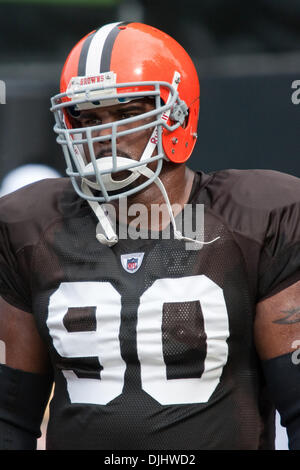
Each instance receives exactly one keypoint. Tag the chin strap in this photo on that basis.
(109, 237)
(177, 234)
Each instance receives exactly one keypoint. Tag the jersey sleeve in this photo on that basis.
(261, 208)
(24, 217)
(14, 286)
(280, 257)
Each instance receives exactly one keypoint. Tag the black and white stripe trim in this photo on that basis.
(95, 56)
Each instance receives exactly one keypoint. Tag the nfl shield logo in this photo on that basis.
(132, 264)
(132, 261)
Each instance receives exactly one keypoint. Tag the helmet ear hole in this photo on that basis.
(186, 120)
(179, 144)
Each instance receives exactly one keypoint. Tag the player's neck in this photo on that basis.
(178, 181)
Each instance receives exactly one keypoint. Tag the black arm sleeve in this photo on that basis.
(23, 399)
(282, 374)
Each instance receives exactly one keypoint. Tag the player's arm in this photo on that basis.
(25, 379)
(277, 336)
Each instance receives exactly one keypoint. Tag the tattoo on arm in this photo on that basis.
(290, 317)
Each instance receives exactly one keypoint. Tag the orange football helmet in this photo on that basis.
(114, 64)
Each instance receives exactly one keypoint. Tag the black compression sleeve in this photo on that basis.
(282, 374)
(23, 399)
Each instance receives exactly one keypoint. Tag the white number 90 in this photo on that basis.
(104, 341)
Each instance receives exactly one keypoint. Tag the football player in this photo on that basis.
(171, 339)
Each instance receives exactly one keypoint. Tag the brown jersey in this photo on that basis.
(152, 344)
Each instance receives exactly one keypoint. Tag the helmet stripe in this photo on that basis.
(83, 55)
(96, 51)
(108, 47)
(90, 56)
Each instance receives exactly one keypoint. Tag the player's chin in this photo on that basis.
(122, 175)
(140, 180)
